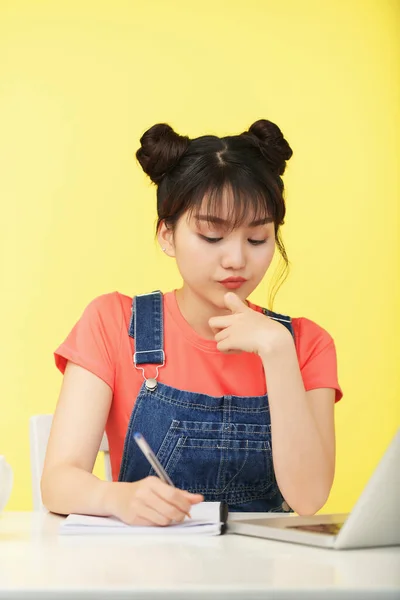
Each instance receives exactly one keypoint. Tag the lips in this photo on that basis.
(233, 283)
(233, 280)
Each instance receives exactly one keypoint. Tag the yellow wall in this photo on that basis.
(80, 82)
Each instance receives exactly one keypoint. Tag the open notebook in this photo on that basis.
(207, 518)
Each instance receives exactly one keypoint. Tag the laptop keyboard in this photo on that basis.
(327, 528)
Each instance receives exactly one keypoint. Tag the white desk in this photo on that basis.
(37, 563)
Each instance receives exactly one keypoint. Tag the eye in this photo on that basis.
(210, 240)
(257, 242)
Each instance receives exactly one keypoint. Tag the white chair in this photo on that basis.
(39, 431)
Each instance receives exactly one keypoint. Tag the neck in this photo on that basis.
(197, 311)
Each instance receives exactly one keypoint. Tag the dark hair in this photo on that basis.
(190, 172)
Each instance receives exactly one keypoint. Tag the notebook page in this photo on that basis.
(205, 519)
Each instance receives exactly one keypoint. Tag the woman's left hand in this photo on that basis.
(247, 330)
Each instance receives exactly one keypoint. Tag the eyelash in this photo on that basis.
(215, 240)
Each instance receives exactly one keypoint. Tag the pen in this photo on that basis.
(152, 458)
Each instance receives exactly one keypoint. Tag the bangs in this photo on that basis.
(234, 202)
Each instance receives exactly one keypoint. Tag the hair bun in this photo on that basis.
(273, 145)
(161, 149)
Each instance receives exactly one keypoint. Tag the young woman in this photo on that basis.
(191, 369)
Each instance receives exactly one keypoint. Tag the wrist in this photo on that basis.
(112, 495)
(107, 497)
(281, 344)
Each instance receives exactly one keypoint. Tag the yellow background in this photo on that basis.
(81, 81)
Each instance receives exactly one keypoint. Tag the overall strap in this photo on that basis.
(147, 327)
(285, 320)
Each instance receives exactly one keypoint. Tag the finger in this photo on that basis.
(221, 335)
(172, 495)
(166, 509)
(156, 484)
(215, 331)
(150, 514)
(234, 303)
(226, 346)
(140, 521)
(194, 498)
(220, 322)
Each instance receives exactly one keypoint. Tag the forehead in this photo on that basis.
(230, 210)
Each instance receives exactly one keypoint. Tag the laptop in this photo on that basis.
(374, 520)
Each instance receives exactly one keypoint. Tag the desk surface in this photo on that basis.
(35, 562)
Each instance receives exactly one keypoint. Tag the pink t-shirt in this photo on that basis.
(99, 342)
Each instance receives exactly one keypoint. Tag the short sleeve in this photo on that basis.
(317, 356)
(93, 342)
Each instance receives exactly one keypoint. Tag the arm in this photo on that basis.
(303, 435)
(68, 485)
(302, 423)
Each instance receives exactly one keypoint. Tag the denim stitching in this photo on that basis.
(206, 408)
(128, 438)
(153, 337)
(131, 328)
(244, 496)
(217, 429)
(218, 446)
(225, 428)
(175, 456)
(168, 439)
(240, 470)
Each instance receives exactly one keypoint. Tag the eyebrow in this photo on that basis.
(219, 221)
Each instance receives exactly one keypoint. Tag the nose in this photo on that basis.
(234, 256)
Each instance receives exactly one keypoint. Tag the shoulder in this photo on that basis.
(108, 308)
(94, 340)
(316, 354)
(310, 338)
(106, 302)
(310, 330)
(105, 316)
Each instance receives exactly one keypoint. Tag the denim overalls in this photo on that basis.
(216, 446)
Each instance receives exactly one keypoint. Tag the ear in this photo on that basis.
(165, 237)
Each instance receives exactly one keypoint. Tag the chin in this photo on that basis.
(217, 299)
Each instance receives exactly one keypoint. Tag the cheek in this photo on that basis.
(271, 251)
(191, 257)
(193, 250)
(265, 258)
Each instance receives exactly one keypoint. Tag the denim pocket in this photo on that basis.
(230, 462)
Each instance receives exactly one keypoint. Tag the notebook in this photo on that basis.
(207, 518)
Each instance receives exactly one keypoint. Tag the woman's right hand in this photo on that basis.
(150, 501)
